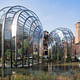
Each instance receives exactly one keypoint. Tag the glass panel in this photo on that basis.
(36, 44)
(26, 46)
(19, 45)
(7, 44)
(41, 46)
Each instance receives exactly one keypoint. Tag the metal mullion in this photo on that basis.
(29, 26)
(22, 15)
(25, 26)
(31, 12)
(5, 8)
(22, 18)
(21, 21)
(12, 12)
(29, 22)
(31, 18)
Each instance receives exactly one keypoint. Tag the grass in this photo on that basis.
(40, 76)
(44, 76)
(24, 74)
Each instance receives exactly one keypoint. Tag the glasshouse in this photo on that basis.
(24, 43)
(60, 44)
(20, 44)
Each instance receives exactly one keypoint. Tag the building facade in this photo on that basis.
(77, 37)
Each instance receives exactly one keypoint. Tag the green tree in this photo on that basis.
(69, 54)
(7, 53)
(20, 51)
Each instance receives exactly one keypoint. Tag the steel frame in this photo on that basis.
(26, 20)
(55, 37)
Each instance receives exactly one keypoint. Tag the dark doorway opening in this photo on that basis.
(46, 52)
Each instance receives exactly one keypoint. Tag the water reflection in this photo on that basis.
(56, 70)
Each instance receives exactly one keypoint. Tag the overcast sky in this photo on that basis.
(52, 13)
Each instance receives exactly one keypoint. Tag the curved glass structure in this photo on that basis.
(22, 35)
(60, 43)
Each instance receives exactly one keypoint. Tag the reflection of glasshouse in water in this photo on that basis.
(60, 43)
(20, 44)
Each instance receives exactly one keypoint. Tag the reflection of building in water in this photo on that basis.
(50, 65)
